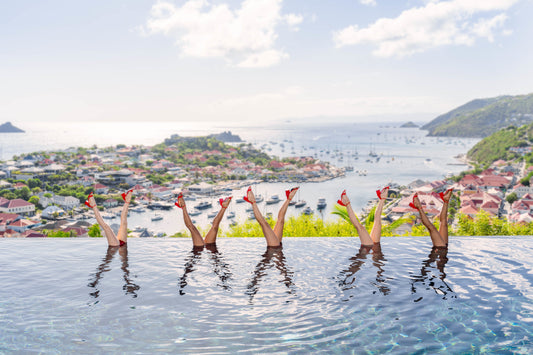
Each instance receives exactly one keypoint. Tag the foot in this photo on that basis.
(250, 198)
(224, 203)
(126, 196)
(416, 203)
(291, 193)
(180, 202)
(383, 193)
(344, 200)
(91, 202)
(445, 196)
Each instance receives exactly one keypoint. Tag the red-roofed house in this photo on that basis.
(101, 189)
(18, 206)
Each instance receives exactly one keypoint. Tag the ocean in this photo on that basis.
(379, 152)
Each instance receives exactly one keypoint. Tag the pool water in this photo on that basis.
(314, 295)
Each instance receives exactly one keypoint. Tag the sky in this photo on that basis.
(258, 60)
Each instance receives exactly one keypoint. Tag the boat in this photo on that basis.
(307, 211)
(204, 205)
(292, 203)
(300, 203)
(212, 214)
(348, 168)
(259, 198)
(195, 212)
(272, 200)
(157, 217)
(230, 215)
(160, 205)
(321, 203)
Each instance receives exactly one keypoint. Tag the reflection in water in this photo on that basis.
(129, 287)
(347, 276)
(273, 257)
(427, 278)
(220, 267)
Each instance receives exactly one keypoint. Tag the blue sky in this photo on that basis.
(258, 60)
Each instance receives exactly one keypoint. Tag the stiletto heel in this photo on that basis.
(245, 198)
(412, 204)
(379, 192)
(87, 201)
(124, 194)
(180, 195)
(288, 192)
(340, 200)
(224, 199)
(441, 194)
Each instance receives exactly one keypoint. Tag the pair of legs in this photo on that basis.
(211, 236)
(367, 240)
(273, 236)
(438, 237)
(122, 236)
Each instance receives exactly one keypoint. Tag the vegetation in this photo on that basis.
(497, 145)
(482, 117)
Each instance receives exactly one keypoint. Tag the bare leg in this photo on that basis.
(443, 217)
(112, 240)
(375, 234)
(197, 239)
(363, 233)
(122, 234)
(436, 238)
(211, 236)
(280, 223)
(270, 236)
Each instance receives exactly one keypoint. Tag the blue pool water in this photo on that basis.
(315, 295)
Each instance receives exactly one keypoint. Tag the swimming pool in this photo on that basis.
(317, 294)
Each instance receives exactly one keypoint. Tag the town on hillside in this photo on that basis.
(43, 194)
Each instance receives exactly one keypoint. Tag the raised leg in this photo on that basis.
(112, 240)
(211, 236)
(280, 223)
(443, 217)
(436, 238)
(123, 230)
(271, 237)
(197, 239)
(375, 234)
(366, 240)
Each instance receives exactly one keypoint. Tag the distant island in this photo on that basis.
(227, 137)
(481, 117)
(9, 128)
(409, 124)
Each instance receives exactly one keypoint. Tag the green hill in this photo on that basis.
(496, 146)
(482, 117)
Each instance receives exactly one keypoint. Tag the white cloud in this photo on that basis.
(368, 2)
(245, 36)
(438, 23)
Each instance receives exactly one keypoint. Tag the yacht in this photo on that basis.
(259, 198)
(272, 200)
(195, 212)
(157, 217)
(212, 214)
(203, 205)
(300, 203)
(230, 215)
(321, 203)
(308, 211)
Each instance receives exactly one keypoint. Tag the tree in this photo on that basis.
(512, 197)
(94, 231)
(34, 200)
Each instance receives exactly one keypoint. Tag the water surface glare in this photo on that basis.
(314, 295)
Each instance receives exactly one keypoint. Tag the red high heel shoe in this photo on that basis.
(221, 200)
(412, 204)
(87, 202)
(180, 195)
(124, 194)
(379, 192)
(441, 194)
(288, 192)
(340, 200)
(245, 198)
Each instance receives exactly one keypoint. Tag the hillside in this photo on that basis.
(9, 128)
(496, 146)
(482, 117)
